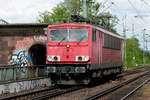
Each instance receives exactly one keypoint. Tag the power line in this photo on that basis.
(145, 3)
(103, 4)
(117, 7)
(123, 13)
(136, 11)
(107, 7)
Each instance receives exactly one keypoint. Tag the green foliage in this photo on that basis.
(72, 6)
(44, 17)
(64, 10)
(59, 14)
(108, 21)
(134, 55)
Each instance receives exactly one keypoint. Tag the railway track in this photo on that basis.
(82, 94)
(136, 89)
(118, 86)
(136, 70)
(41, 94)
(26, 95)
(55, 91)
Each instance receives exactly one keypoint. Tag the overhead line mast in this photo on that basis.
(85, 8)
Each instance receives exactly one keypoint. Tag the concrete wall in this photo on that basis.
(25, 85)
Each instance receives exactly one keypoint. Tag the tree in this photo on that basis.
(73, 6)
(44, 17)
(64, 10)
(134, 53)
(58, 15)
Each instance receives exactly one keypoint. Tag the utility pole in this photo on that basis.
(124, 35)
(133, 44)
(85, 8)
(144, 46)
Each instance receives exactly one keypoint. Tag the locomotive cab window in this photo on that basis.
(68, 35)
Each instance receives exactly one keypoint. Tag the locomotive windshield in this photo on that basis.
(68, 35)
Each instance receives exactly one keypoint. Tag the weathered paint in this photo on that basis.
(25, 85)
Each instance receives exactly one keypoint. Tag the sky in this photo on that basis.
(24, 11)
(130, 12)
(135, 14)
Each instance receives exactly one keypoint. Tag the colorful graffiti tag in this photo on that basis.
(23, 85)
(20, 58)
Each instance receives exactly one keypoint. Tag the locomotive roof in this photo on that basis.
(87, 25)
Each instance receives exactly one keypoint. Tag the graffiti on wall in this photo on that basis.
(40, 38)
(20, 58)
(24, 85)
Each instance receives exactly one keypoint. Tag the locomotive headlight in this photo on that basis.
(50, 58)
(80, 69)
(82, 58)
(53, 58)
(85, 58)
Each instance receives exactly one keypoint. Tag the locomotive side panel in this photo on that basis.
(112, 53)
(107, 50)
(95, 49)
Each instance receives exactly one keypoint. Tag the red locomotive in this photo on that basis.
(76, 53)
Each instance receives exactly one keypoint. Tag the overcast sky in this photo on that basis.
(26, 11)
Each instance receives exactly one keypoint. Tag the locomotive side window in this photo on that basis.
(94, 35)
(105, 40)
(68, 35)
(111, 42)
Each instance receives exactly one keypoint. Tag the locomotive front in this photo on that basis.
(68, 53)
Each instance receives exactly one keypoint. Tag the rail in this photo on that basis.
(42, 94)
(134, 90)
(56, 93)
(109, 90)
(22, 95)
